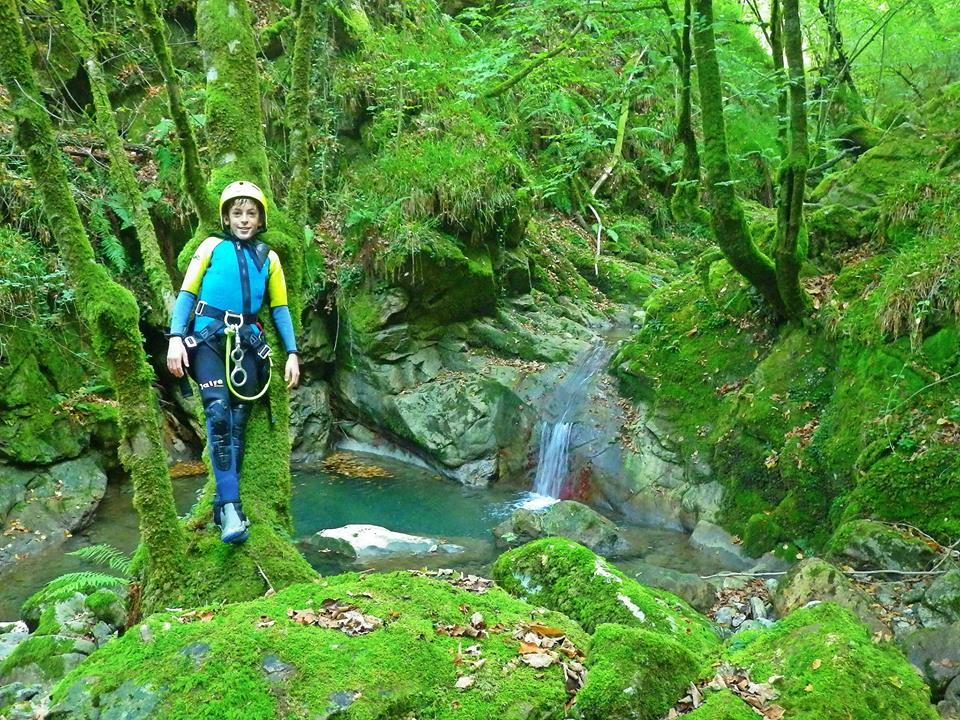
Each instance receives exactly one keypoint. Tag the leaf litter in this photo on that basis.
(759, 696)
(337, 615)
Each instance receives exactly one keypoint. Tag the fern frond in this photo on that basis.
(105, 554)
(64, 587)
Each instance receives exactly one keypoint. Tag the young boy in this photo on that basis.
(225, 286)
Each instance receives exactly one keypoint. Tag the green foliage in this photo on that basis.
(33, 284)
(64, 586)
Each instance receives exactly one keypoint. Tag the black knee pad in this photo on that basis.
(218, 416)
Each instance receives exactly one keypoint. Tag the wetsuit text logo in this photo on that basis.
(212, 384)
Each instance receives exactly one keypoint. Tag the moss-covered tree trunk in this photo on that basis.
(793, 171)
(160, 288)
(112, 316)
(237, 149)
(779, 71)
(298, 114)
(193, 177)
(686, 197)
(729, 223)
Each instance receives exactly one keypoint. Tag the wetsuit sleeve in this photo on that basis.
(279, 311)
(284, 322)
(182, 309)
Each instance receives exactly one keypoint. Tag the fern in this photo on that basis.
(105, 555)
(64, 587)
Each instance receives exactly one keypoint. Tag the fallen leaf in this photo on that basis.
(816, 664)
(464, 682)
(537, 660)
(808, 688)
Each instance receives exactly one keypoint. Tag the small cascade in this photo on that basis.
(560, 416)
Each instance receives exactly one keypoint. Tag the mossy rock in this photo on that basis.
(831, 668)
(814, 579)
(252, 660)
(562, 575)
(634, 673)
(871, 545)
(722, 705)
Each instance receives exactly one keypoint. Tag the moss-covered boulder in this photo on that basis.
(871, 545)
(815, 579)
(634, 673)
(943, 596)
(831, 669)
(561, 575)
(722, 705)
(569, 519)
(387, 645)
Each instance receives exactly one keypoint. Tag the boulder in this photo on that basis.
(373, 540)
(696, 591)
(561, 575)
(569, 519)
(56, 501)
(716, 542)
(380, 645)
(634, 673)
(871, 545)
(936, 654)
(943, 596)
(827, 666)
(949, 707)
(814, 579)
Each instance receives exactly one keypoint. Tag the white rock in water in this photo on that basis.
(370, 540)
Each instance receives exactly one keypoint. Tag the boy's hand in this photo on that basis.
(291, 373)
(177, 360)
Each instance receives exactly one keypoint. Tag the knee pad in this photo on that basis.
(240, 414)
(219, 421)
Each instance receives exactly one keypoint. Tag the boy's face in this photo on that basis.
(243, 218)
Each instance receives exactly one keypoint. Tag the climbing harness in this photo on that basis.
(235, 353)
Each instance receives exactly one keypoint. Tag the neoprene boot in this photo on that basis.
(233, 524)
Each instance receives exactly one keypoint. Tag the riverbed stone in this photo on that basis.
(716, 542)
(872, 545)
(814, 579)
(704, 500)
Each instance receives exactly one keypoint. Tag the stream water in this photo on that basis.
(560, 417)
(405, 499)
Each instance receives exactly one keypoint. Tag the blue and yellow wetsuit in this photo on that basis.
(228, 275)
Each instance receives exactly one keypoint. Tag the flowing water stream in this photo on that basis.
(559, 420)
(403, 498)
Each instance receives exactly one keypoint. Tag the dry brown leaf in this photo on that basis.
(464, 682)
(538, 660)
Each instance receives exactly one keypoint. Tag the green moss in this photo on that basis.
(43, 651)
(407, 665)
(832, 669)
(722, 705)
(634, 673)
(567, 577)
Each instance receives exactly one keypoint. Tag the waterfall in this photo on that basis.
(557, 428)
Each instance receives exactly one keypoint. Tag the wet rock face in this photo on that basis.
(936, 654)
(43, 506)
